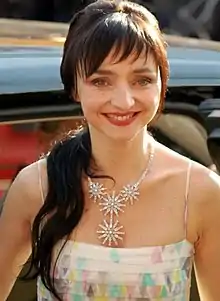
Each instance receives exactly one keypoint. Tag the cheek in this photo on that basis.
(87, 105)
(152, 98)
(91, 100)
(91, 104)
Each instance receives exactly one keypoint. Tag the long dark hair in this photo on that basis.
(93, 33)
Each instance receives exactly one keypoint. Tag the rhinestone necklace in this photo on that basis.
(110, 231)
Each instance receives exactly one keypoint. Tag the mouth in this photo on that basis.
(121, 119)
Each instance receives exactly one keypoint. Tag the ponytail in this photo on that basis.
(67, 164)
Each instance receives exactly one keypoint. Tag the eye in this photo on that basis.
(100, 82)
(145, 81)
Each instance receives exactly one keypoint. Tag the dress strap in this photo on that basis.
(40, 181)
(188, 175)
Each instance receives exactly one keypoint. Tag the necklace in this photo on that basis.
(110, 231)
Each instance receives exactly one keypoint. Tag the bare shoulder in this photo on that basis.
(203, 181)
(25, 192)
(204, 187)
(205, 195)
(169, 161)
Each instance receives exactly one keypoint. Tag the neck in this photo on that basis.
(122, 160)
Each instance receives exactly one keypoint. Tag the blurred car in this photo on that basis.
(34, 110)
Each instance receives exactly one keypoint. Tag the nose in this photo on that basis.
(123, 98)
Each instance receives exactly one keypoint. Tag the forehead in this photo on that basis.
(133, 60)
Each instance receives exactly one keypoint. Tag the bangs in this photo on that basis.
(115, 33)
(101, 30)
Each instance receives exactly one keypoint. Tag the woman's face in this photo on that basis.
(121, 98)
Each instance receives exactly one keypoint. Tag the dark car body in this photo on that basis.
(34, 107)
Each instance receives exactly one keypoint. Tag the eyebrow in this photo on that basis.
(136, 71)
(144, 70)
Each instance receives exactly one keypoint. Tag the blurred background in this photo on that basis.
(194, 18)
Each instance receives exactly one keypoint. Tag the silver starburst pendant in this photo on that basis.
(96, 191)
(130, 193)
(112, 204)
(110, 233)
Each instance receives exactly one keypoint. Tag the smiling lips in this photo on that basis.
(119, 119)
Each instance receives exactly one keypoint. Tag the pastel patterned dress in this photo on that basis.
(87, 272)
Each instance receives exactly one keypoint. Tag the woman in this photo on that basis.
(110, 214)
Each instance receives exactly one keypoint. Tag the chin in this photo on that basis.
(117, 134)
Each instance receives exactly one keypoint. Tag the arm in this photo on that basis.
(207, 258)
(20, 207)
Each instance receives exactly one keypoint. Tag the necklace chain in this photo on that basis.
(110, 231)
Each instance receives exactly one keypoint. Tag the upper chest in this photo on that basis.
(155, 216)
